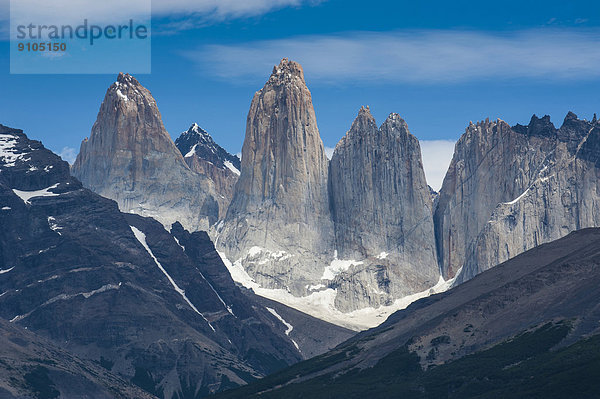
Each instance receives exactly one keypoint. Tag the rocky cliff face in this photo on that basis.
(333, 240)
(131, 158)
(511, 189)
(207, 158)
(382, 210)
(278, 224)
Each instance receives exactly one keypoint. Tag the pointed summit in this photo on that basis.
(395, 122)
(571, 116)
(364, 121)
(131, 158)
(280, 202)
(286, 71)
(382, 211)
(204, 156)
(125, 78)
(541, 127)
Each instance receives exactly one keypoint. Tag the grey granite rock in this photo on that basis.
(278, 223)
(382, 209)
(131, 158)
(511, 189)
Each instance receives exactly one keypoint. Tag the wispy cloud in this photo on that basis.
(436, 155)
(68, 154)
(426, 56)
(329, 152)
(221, 9)
(106, 11)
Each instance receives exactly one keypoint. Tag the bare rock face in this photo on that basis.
(207, 158)
(382, 209)
(131, 158)
(278, 224)
(511, 189)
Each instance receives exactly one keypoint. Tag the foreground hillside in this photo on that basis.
(528, 327)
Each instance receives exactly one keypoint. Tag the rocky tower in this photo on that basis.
(278, 223)
(382, 209)
(510, 189)
(131, 158)
(207, 158)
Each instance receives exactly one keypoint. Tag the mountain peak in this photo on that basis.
(197, 134)
(197, 141)
(129, 150)
(125, 78)
(364, 120)
(571, 116)
(395, 119)
(286, 71)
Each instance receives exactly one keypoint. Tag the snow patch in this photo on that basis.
(238, 273)
(55, 227)
(141, 237)
(267, 255)
(321, 304)
(286, 324)
(337, 266)
(8, 153)
(518, 198)
(232, 168)
(219, 296)
(382, 255)
(6, 270)
(177, 241)
(62, 297)
(6, 208)
(191, 152)
(122, 96)
(26, 196)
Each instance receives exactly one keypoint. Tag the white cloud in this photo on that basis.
(329, 152)
(68, 154)
(436, 155)
(221, 9)
(107, 11)
(426, 56)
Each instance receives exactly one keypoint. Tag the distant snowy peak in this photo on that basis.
(196, 141)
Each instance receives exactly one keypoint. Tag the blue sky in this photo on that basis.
(438, 64)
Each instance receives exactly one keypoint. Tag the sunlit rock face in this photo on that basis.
(130, 158)
(509, 189)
